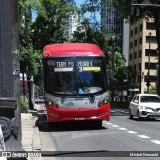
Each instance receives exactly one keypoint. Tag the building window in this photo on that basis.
(153, 39)
(141, 27)
(136, 30)
(140, 40)
(140, 53)
(135, 55)
(150, 25)
(131, 33)
(130, 57)
(135, 67)
(135, 43)
(131, 46)
(139, 66)
(151, 78)
(151, 66)
(152, 52)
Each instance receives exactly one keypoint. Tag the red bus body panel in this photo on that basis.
(57, 115)
(72, 49)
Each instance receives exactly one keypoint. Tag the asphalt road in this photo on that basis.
(81, 140)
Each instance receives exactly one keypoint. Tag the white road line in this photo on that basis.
(143, 136)
(107, 123)
(132, 132)
(123, 129)
(114, 125)
(156, 141)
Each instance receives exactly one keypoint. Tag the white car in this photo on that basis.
(145, 106)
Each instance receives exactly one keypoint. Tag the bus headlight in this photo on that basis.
(104, 101)
(53, 104)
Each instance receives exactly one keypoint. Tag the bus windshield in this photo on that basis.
(75, 75)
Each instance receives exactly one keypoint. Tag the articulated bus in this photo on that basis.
(75, 83)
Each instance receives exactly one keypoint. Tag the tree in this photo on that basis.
(50, 29)
(29, 58)
(85, 33)
(93, 7)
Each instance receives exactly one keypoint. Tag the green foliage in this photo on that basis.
(50, 29)
(93, 7)
(30, 59)
(24, 104)
(86, 34)
(152, 90)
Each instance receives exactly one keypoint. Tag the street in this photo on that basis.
(118, 134)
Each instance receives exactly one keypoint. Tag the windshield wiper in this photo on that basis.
(89, 95)
(66, 90)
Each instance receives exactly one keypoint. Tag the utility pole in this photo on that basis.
(148, 74)
(10, 115)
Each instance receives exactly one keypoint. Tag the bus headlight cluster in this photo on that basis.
(53, 104)
(104, 101)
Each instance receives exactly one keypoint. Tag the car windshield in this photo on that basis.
(72, 76)
(149, 99)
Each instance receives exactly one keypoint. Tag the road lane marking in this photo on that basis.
(132, 132)
(155, 141)
(123, 129)
(114, 125)
(143, 136)
(107, 123)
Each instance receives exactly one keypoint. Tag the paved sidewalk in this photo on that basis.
(30, 134)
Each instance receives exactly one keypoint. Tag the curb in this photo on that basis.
(30, 134)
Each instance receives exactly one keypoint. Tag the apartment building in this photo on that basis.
(143, 55)
(72, 22)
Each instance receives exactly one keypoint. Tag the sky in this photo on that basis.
(78, 3)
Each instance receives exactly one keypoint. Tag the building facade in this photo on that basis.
(115, 26)
(143, 57)
(72, 22)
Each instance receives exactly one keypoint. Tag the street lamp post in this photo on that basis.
(148, 74)
(112, 45)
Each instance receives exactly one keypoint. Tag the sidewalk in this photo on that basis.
(30, 134)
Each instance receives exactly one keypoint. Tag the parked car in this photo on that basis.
(145, 106)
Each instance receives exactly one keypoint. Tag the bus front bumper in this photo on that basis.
(58, 115)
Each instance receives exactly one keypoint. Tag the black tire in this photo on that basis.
(130, 114)
(138, 116)
(6, 127)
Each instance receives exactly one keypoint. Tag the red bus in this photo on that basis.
(75, 83)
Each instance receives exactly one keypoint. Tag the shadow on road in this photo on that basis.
(144, 120)
(45, 126)
(67, 126)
